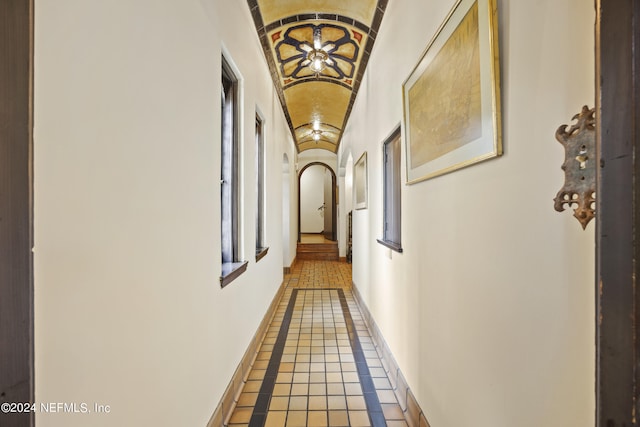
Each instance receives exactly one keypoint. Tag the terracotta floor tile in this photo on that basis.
(381, 383)
(276, 419)
(353, 388)
(279, 403)
(392, 411)
(284, 377)
(318, 389)
(387, 396)
(241, 415)
(338, 418)
(298, 403)
(317, 403)
(256, 374)
(359, 419)
(299, 389)
(283, 389)
(317, 419)
(286, 367)
(335, 388)
(296, 419)
(252, 386)
(356, 403)
(336, 402)
(247, 399)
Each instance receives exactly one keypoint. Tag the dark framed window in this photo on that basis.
(391, 234)
(232, 266)
(261, 247)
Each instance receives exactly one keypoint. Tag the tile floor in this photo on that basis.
(317, 365)
(314, 238)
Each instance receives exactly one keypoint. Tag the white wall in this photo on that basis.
(128, 306)
(289, 232)
(311, 198)
(490, 309)
(309, 156)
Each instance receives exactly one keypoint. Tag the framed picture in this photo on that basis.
(452, 97)
(360, 181)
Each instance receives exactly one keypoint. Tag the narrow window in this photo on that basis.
(231, 263)
(261, 247)
(391, 187)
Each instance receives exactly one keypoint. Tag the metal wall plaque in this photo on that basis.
(579, 167)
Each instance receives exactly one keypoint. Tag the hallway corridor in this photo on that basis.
(317, 364)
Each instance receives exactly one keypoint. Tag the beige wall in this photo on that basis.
(128, 307)
(490, 309)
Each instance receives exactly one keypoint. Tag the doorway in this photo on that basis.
(317, 204)
(618, 213)
(16, 209)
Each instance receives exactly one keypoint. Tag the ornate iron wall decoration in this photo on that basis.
(579, 167)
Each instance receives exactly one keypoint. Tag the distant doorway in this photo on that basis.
(317, 213)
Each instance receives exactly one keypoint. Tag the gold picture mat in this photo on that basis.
(452, 97)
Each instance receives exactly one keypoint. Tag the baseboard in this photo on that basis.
(227, 404)
(288, 270)
(342, 259)
(413, 413)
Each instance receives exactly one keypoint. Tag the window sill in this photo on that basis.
(391, 245)
(261, 252)
(230, 271)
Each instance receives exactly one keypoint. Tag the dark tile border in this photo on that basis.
(261, 408)
(374, 409)
(259, 415)
(229, 398)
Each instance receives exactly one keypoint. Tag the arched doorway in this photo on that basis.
(328, 208)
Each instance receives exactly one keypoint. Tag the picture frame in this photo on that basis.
(451, 99)
(361, 184)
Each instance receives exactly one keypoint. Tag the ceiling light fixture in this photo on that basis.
(317, 57)
(316, 134)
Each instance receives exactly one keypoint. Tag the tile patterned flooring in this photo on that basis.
(317, 365)
(314, 238)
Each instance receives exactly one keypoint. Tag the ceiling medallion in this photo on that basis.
(309, 50)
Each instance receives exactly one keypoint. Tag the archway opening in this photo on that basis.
(317, 210)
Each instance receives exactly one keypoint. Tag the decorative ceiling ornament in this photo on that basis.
(579, 167)
(318, 60)
(317, 53)
(316, 135)
(310, 50)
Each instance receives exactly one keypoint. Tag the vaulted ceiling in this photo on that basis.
(317, 51)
